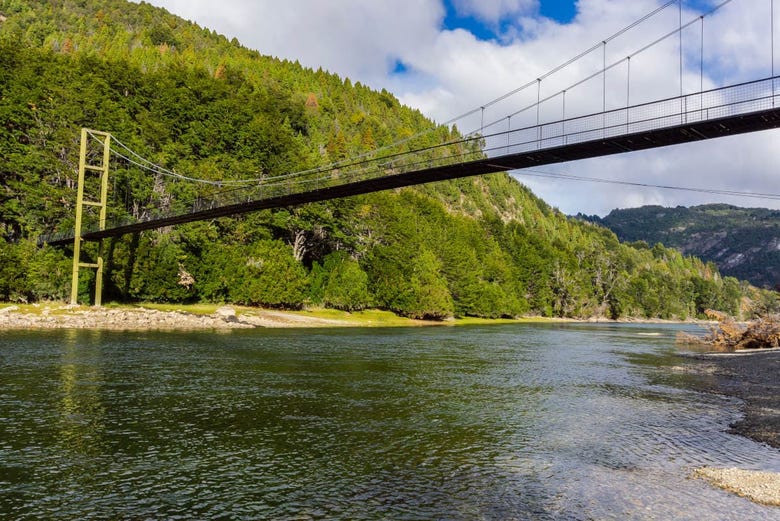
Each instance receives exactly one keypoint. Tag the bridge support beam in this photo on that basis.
(104, 140)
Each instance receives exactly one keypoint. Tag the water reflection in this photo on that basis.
(82, 413)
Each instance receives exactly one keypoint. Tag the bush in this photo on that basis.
(347, 284)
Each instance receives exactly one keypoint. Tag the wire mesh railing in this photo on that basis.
(724, 102)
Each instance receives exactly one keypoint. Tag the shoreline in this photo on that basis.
(203, 317)
(153, 317)
(193, 317)
(751, 376)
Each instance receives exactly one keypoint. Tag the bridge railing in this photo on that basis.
(744, 98)
(709, 105)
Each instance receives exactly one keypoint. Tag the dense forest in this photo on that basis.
(195, 102)
(743, 242)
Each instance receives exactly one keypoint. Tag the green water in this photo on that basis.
(499, 422)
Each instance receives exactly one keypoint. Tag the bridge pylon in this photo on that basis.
(104, 140)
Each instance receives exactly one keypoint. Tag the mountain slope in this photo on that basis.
(742, 242)
(197, 103)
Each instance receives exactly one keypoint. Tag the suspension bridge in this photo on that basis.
(547, 130)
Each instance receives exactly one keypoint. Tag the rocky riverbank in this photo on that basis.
(140, 318)
(754, 377)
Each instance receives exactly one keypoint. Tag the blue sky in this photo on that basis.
(562, 11)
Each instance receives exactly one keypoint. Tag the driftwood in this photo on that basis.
(727, 334)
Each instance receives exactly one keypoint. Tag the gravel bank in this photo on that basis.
(760, 487)
(67, 317)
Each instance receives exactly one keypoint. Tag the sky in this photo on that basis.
(447, 57)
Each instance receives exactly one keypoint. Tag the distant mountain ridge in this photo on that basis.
(742, 242)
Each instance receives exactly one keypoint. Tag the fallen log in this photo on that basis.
(729, 335)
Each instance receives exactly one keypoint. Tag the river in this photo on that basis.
(562, 421)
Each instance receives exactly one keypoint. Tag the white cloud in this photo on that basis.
(354, 38)
(452, 72)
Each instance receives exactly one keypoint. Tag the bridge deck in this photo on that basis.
(695, 131)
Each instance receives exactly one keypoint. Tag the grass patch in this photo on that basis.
(365, 318)
(194, 309)
(50, 308)
(380, 318)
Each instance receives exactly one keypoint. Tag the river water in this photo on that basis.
(499, 422)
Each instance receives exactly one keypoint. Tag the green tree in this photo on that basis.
(161, 273)
(422, 292)
(270, 276)
(347, 284)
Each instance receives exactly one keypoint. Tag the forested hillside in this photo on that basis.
(743, 242)
(195, 102)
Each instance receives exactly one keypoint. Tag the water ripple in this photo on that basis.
(516, 422)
